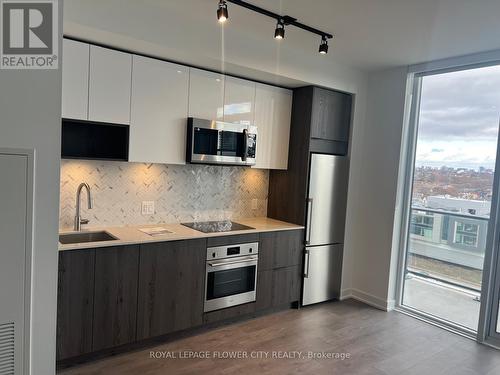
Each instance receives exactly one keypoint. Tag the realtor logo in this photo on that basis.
(29, 34)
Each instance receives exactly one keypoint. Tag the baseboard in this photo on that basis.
(369, 299)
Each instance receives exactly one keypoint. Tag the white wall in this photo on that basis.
(30, 117)
(373, 189)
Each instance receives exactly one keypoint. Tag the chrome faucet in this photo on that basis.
(78, 220)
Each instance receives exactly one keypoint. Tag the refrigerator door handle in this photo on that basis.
(309, 202)
(306, 262)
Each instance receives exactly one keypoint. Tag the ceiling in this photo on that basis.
(370, 35)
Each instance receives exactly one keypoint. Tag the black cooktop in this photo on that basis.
(216, 226)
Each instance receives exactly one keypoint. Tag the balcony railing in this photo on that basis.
(447, 246)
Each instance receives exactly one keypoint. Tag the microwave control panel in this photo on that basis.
(252, 142)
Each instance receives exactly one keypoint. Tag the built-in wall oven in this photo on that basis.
(215, 142)
(231, 275)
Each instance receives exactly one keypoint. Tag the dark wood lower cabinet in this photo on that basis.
(112, 296)
(264, 290)
(75, 303)
(115, 298)
(286, 286)
(171, 287)
(278, 288)
(280, 249)
(229, 313)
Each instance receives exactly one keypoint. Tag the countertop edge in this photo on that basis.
(278, 226)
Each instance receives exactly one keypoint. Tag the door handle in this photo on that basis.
(309, 202)
(306, 265)
(242, 261)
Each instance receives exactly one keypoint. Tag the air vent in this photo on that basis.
(7, 349)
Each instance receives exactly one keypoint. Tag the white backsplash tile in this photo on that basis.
(181, 192)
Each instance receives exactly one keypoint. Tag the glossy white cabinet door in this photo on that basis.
(159, 111)
(239, 101)
(273, 111)
(206, 95)
(109, 87)
(75, 81)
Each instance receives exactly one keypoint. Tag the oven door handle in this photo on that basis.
(248, 260)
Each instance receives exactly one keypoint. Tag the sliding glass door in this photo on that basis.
(450, 187)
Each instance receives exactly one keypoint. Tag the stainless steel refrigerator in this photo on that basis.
(326, 209)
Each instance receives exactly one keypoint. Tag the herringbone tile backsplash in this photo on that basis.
(181, 192)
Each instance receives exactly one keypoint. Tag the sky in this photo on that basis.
(459, 119)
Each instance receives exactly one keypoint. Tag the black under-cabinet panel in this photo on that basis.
(94, 140)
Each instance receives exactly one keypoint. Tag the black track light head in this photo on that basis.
(323, 46)
(222, 14)
(279, 32)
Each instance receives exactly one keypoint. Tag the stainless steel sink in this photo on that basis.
(81, 237)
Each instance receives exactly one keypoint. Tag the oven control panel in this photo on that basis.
(229, 251)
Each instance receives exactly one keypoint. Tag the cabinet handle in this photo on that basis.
(308, 222)
(306, 266)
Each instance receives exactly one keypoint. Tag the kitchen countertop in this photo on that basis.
(131, 235)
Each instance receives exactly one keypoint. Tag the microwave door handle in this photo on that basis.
(245, 145)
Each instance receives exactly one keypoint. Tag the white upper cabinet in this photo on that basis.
(273, 110)
(75, 81)
(206, 95)
(239, 101)
(109, 85)
(159, 111)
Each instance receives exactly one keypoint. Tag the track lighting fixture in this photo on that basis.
(323, 46)
(282, 21)
(222, 14)
(279, 33)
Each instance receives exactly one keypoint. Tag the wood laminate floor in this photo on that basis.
(377, 342)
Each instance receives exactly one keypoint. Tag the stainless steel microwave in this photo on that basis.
(215, 142)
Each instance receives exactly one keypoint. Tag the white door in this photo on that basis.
(110, 85)
(239, 101)
(206, 95)
(75, 81)
(15, 244)
(273, 111)
(159, 111)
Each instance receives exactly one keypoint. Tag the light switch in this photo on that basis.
(255, 204)
(148, 208)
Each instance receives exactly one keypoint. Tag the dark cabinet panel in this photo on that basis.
(94, 140)
(286, 285)
(75, 296)
(264, 290)
(115, 299)
(171, 287)
(280, 249)
(230, 312)
(232, 240)
(331, 115)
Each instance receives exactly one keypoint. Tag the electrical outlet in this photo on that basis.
(148, 208)
(255, 204)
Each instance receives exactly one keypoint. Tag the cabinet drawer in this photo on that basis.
(280, 249)
(230, 312)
